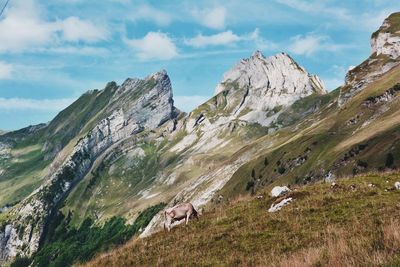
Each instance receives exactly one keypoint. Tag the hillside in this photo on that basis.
(323, 226)
(105, 167)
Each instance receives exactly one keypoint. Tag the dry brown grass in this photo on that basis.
(320, 228)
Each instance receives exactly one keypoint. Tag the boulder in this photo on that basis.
(397, 185)
(278, 191)
(280, 205)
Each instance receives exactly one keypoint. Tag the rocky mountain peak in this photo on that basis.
(257, 54)
(386, 40)
(276, 73)
(257, 85)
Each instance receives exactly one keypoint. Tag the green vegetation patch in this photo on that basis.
(67, 245)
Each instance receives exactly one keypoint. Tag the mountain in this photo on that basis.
(135, 106)
(128, 147)
(122, 153)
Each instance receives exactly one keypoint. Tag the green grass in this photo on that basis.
(113, 187)
(66, 244)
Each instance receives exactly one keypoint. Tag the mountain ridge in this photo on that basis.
(269, 123)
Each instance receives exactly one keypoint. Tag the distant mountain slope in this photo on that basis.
(358, 136)
(135, 106)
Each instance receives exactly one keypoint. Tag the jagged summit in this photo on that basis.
(271, 73)
(258, 84)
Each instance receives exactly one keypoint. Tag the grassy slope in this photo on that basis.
(324, 139)
(322, 227)
(29, 162)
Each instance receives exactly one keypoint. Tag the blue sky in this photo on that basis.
(53, 51)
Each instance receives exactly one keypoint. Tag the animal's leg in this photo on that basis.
(187, 217)
(168, 224)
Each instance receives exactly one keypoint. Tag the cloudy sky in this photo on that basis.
(53, 51)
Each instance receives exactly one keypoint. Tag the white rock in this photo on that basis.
(280, 205)
(387, 43)
(278, 191)
(257, 85)
(397, 185)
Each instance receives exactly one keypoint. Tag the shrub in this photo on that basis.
(21, 262)
(249, 185)
(70, 245)
(389, 160)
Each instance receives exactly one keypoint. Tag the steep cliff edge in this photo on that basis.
(385, 44)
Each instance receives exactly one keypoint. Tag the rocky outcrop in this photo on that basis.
(137, 105)
(257, 86)
(386, 41)
(385, 44)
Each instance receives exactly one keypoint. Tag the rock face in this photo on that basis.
(386, 40)
(136, 105)
(257, 85)
(385, 44)
(252, 93)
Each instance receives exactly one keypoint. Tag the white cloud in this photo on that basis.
(188, 103)
(228, 38)
(34, 104)
(81, 50)
(319, 8)
(5, 70)
(155, 45)
(311, 43)
(149, 13)
(74, 29)
(212, 18)
(306, 45)
(260, 42)
(223, 38)
(24, 28)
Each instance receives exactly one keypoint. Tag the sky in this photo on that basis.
(51, 52)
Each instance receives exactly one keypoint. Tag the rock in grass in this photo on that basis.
(280, 205)
(278, 191)
(397, 185)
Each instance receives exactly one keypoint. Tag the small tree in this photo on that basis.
(389, 160)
